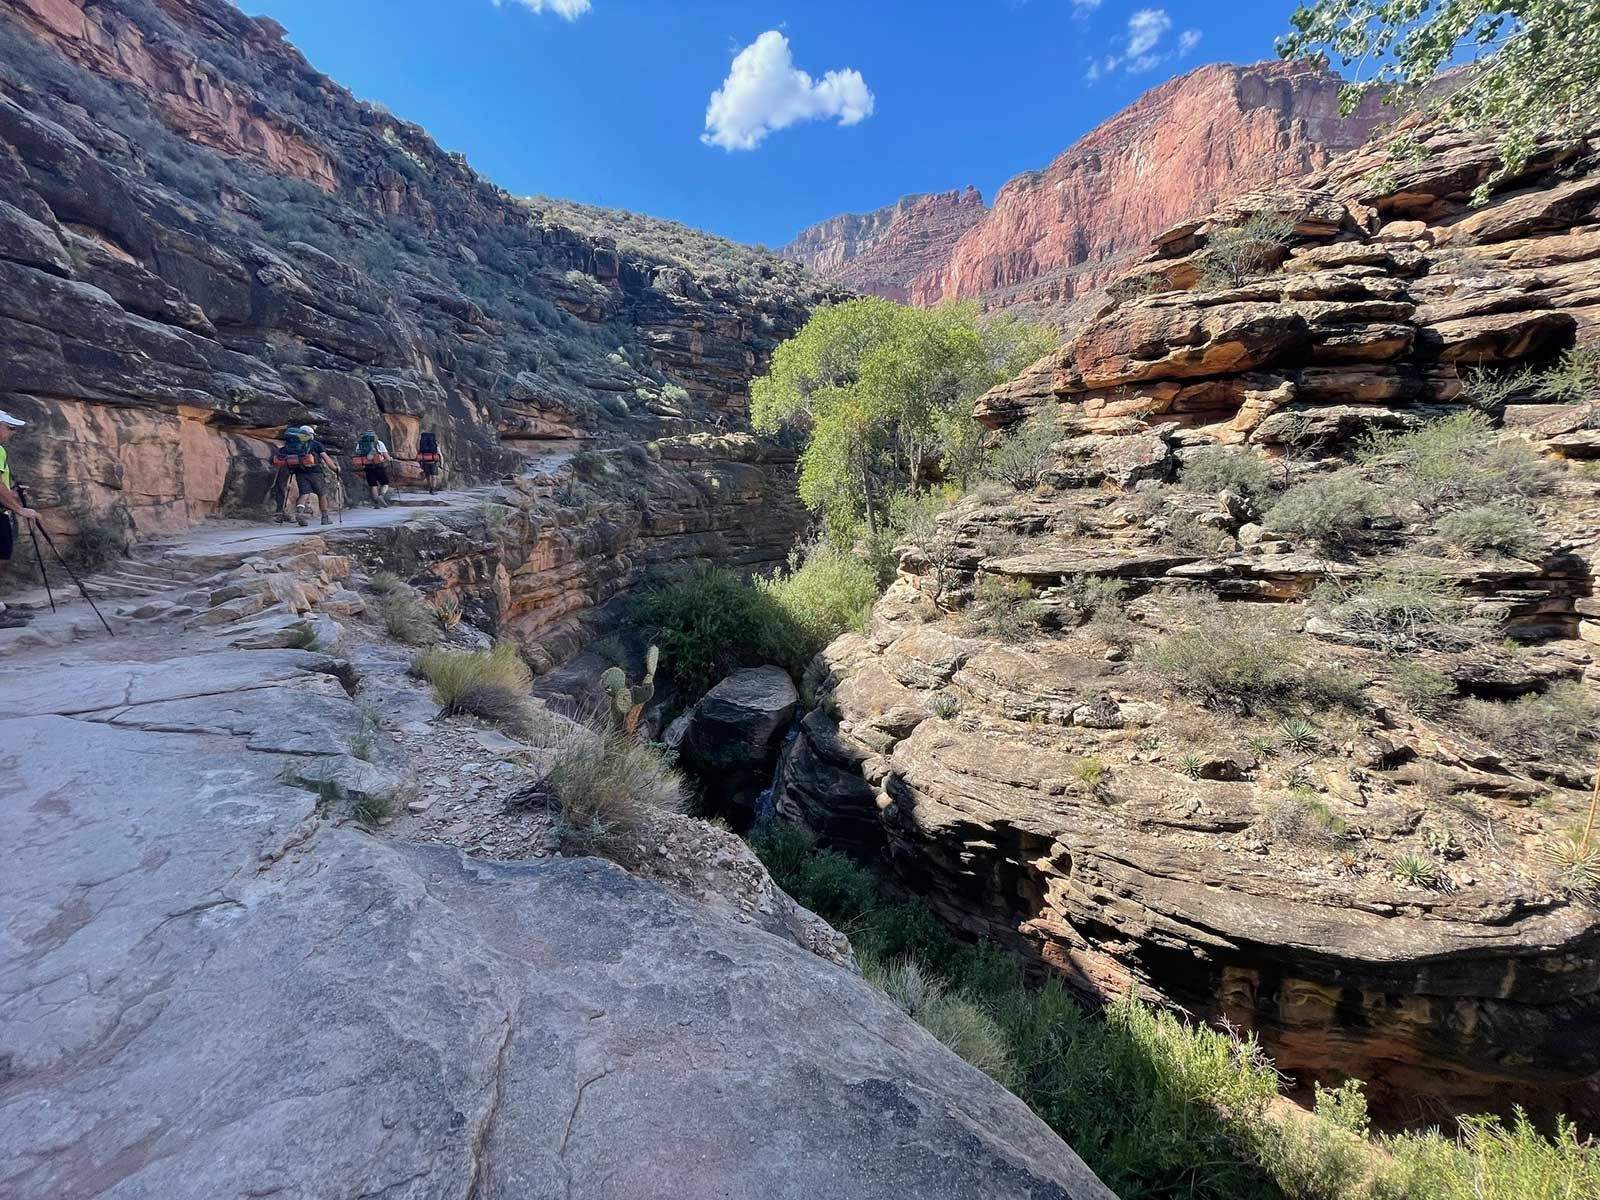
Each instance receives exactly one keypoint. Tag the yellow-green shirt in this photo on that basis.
(5, 467)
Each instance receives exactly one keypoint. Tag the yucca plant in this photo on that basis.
(1300, 734)
(1190, 765)
(1415, 871)
(447, 607)
(1576, 866)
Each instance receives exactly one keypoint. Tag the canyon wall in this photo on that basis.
(885, 252)
(1368, 880)
(1052, 236)
(203, 239)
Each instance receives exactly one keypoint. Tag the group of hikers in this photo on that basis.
(300, 458)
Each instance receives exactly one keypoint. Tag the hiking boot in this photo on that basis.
(10, 618)
(302, 516)
(281, 518)
(326, 519)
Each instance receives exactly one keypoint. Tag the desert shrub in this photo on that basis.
(1423, 690)
(945, 705)
(492, 684)
(714, 622)
(1004, 609)
(1575, 866)
(1489, 390)
(711, 624)
(1157, 1106)
(1333, 509)
(1227, 469)
(1459, 460)
(408, 618)
(1025, 453)
(97, 539)
(1235, 253)
(1303, 818)
(952, 1018)
(1497, 527)
(384, 582)
(1416, 871)
(1186, 534)
(1575, 378)
(828, 593)
(1404, 607)
(610, 785)
(1552, 725)
(1246, 664)
(1131, 287)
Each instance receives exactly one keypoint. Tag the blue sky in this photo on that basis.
(605, 101)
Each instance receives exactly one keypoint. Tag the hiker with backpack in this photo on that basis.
(15, 514)
(372, 456)
(301, 457)
(430, 460)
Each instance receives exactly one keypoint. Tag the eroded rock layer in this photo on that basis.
(202, 239)
(1370, 885)
(886, 251)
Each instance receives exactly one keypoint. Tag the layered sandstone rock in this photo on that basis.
(1053, 789)
(203, 239)
(885, 252)
(1052, 236)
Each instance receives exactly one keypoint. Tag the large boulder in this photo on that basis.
(738, 725)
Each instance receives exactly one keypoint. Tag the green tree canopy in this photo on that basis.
(1536, 71)
(884, 392)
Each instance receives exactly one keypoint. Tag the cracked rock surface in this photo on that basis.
(212, 987)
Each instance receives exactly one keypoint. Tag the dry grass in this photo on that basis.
(610, 785)
(492, 684)
(408, 618)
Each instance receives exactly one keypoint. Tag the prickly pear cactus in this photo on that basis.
(628, 700)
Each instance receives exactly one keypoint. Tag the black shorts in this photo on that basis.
(429, 468)
(8, 536)
(309, 482)
(377, 476)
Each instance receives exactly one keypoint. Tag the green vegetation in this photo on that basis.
(610, 785)
(1235, 253)
(1004, 609)
(1416, 871)
(1334, 509)
(492, 684)
(1246, 664)
(1423, 690)
(407, 617)
(1535, 63)
(1214, 469)
(1023, 457)
(1458, 460)
(628, 699)
(1159, 1108)
(1484, 527)
(884, 393)
(1553, 725)
(1304, 819)
(713, 623)
(1406, 606)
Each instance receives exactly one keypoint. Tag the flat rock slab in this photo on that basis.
(208, 992)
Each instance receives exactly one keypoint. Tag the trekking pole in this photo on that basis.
(38, 555)
(73, 575)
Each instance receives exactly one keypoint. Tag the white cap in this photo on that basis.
(7, 419)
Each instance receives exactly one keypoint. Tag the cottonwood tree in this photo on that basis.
(884, 392)
(1535, 69)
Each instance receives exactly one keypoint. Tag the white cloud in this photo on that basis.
(765, 92)
(1085, 6)
(1146, 46)
(1145, 29)
(569, 10)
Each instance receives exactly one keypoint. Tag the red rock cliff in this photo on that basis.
(1180, 148)
(883, 252)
